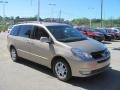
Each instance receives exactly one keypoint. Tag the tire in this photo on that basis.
(14, 55)
(110, 39)
(61, 70)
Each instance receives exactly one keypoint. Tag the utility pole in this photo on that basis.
(38, 15)
(90, 20)
(90, 23)
(101, 13)
(31, 2)
(60, 12)
(51, 4)
(112, 22)
(4, 3)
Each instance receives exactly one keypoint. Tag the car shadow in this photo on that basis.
(116, 48)
(35, 66)
(106, 42)
(115, 41)
(108, 80)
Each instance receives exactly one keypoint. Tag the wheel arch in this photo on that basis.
(62, 58)
(11, 46)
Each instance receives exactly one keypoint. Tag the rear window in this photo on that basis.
(14, 31)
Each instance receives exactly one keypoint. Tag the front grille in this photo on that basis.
(102, 61)
(97, 55)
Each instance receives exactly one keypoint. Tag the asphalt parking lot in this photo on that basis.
(25, 75)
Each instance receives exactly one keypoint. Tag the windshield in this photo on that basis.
(118, 28)
(115, 30)
(101, 30)
(66, 33)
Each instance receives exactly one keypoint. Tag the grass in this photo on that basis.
(3, 28)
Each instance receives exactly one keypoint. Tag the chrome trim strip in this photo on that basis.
(33, 54)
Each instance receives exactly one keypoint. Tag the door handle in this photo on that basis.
(32, 43)
(28, 42)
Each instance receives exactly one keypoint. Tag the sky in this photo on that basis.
(70, 9)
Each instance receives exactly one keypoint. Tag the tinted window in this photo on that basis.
(79, 29)
(25, 31)
(118, 28)
(100, 30)
(115, 30)
(14, 31)
(39, 32)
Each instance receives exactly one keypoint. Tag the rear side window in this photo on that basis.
(25, 31)
(14, 31)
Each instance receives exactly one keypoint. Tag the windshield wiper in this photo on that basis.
(71, 39)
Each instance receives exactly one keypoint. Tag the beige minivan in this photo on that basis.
(59, 47)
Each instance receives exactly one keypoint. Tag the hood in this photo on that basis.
(88, 46)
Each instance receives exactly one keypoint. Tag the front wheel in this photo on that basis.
(62, 70)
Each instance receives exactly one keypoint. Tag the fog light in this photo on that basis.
(85, 72)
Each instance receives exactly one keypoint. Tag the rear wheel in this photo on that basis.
(13, 54)
(109, 39)
(62, 70)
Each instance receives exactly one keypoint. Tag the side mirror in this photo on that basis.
(45, 39)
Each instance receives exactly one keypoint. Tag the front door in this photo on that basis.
(41, 51)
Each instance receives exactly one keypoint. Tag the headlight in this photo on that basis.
(107, 52)
(81, 54)
(105, 47)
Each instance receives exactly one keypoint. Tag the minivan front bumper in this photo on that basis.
(87, 73)
(86, 69)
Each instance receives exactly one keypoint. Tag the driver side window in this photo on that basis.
(39, 32)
